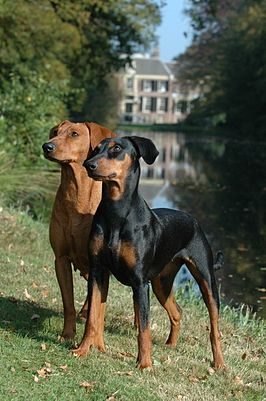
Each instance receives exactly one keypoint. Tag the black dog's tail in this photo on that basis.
(219, 261)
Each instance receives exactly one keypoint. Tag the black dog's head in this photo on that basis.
(114, 157)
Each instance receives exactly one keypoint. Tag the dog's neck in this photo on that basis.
(76, 188)
(119, 195)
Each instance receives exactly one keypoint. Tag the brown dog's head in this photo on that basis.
(72, 142)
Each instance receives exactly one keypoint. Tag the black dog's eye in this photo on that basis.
(116, 148)
(74, 133)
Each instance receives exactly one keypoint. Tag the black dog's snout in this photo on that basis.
(48, 147)
(91, 165)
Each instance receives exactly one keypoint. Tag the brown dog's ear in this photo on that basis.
(54, 130)
(98, 133)
(145, 147)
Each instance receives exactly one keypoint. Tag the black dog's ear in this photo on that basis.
(145, 148)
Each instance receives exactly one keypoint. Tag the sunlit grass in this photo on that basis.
(36, 366)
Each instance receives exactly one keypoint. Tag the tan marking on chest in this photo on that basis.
(127, 252)
(96, 244)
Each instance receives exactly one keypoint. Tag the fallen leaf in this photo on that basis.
(13, 299)
(129, 373)
(34, 285)
(127, 354)
(63, 367)
(36, 379)
(244, 356)
(193, 379)
(45, 370)
(242, 248)
(43, 347)
(41, 372)
(211, 371)
(27, 295)
(112, 397)
(45, 293)
(88, 386)
(238, 380)
(261, 289)
(35, 316)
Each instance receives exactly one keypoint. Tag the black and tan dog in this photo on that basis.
(139, 245)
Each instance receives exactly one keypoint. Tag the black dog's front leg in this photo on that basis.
(142, 309)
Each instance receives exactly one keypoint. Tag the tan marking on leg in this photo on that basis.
(144, 346)
(218, 360)
(144, 343)
(93, 325)
(173, 310)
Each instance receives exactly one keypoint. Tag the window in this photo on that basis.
(149, 104)
(163, 104)
(129, 83)
(148, 85)
(162, 86)
(129, 107)
(182, 106)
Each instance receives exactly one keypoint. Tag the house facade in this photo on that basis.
(151, 94)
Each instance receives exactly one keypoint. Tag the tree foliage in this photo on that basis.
(228, 57)
(60, 54)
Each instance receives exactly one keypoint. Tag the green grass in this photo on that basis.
(36, 366)
(178, 127)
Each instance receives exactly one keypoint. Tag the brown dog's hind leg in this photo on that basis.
(162, 286)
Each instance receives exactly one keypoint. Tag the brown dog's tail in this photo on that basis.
(219, 261)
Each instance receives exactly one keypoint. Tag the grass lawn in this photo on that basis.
(35, 366)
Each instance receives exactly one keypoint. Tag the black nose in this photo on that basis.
(48, 147)
(90, 165)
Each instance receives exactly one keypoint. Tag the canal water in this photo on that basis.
(222, 182)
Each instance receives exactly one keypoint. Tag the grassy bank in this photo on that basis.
(36, 366)
(179, 127)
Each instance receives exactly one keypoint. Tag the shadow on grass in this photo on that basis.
(26, 319)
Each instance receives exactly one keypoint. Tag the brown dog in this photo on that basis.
(76, 201)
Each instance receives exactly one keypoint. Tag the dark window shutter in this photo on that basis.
(153, 103)
(166, 104)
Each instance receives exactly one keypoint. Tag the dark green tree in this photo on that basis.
(62, 54)
(227, 57)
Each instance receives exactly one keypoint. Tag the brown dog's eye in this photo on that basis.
(74, 133)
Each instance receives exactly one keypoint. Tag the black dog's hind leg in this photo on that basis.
(162, 286)
(201, 267)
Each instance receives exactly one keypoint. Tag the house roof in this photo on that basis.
(150, 66)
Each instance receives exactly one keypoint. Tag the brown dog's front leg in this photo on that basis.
(94, 327)
(65, 279)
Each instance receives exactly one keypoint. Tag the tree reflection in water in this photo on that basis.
(222, 182)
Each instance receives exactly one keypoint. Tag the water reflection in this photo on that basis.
(223, 183)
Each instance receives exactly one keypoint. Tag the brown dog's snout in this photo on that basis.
(48, 147)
